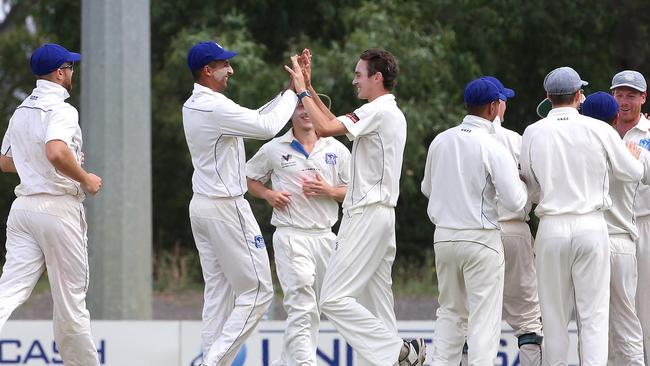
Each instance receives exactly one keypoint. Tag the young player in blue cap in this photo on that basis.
(625, 333)
(465, 172)
(235, 264)
(565, 161)
(46, 227)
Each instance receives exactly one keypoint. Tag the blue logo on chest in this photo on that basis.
(645, 143)
(259, 241)
(330, 158)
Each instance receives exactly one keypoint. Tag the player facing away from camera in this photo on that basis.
(46, 227)
(357, 296)
(565, 159)
(235, 264)
(625, 334)
(520, 300)
(465, 172)
(629, 88)
(309, 177)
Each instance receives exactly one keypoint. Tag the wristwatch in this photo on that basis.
(303, 94)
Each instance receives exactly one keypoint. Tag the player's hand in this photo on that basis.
(296, 74)
(277, 199)
(92, 183)
(316, 187)
(634, 149)
(305, 65)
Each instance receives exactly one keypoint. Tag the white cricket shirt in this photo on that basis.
(638, 133)
(621, 217)
(512, 142)
(284, 161)
(565, 159)
(378, 129)
(214, 129)
(43, 116)
(466, 173)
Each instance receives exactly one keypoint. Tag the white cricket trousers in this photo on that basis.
(357, 296)
(643, 284)
(301, 258)
(572, 258)
(520, 300)
(470, 284)
(49, 232)
(236, 271)
(625, 334)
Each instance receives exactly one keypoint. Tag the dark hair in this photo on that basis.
(477, 110)
(380, 60)
(562, 99)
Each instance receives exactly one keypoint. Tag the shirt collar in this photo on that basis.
(479, 122)
(643, 124)
(287, 137)
(496, 122)
(198, 89)
(384, 98)
(562, 110)
(47, 87)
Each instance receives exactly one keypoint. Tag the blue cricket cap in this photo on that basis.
(481, 91)
(506, 92)
(50, 57)
(600, 105)
(203, 53)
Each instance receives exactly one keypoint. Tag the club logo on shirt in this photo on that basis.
(353, 116)
(33, 97)
(330, 158)
(259, 241)
(287, 161)
(645, 143)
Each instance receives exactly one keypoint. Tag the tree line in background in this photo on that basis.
(440, 46)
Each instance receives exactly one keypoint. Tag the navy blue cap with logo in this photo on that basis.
(505, 92)
(600, 105)
(481, 91)
(50, 57)
(203, 53)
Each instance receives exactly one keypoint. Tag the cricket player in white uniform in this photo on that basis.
(357, 296)
(46, 227)
(309, 177)
(235, 264)
(520, 300)
(565, 159)
(625, 334)
(630, 90)
(465, 172)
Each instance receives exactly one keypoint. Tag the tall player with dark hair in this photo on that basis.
(356, 294)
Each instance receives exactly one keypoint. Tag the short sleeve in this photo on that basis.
(362, 121)
(6, 142)
(259, 167)
(62, 124)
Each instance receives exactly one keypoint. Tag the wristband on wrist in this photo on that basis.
(303, 94)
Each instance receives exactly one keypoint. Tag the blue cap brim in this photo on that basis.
(73, 57)
(503, 97)
(226, 55)
(509, 93)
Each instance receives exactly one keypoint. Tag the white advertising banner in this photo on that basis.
(174, 343)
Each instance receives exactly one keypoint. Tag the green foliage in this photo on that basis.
(440, 46)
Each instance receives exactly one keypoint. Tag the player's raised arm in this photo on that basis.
(323, 123)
